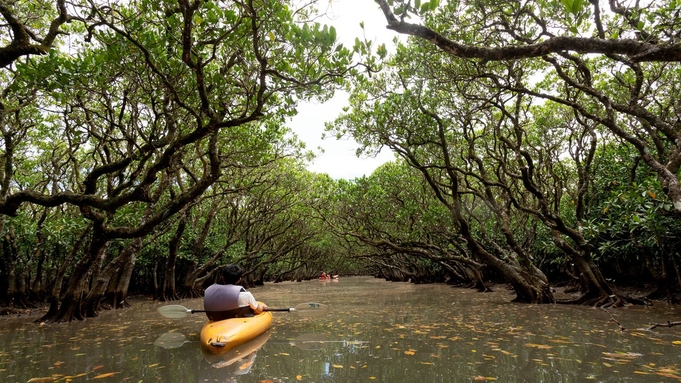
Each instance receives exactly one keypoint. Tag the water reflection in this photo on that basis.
(374, 331)
(227, 366)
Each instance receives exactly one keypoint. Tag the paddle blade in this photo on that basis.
(173, 311)
(170, 340)
(310, 309)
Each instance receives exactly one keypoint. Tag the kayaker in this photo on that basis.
(226, 299)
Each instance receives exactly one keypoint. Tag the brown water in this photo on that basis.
(375, 331)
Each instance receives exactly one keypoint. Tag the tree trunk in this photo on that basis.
(71, 306)
(59, 279)
(169, 291)
(595, 289)
(36, 289)
(94, 298)
(120, 293)
(15, 296)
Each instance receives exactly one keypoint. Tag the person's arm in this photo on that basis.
(247, 299)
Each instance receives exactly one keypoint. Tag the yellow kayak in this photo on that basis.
(238, 354)
(221, 336)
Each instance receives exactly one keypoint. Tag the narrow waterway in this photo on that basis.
(374, 331)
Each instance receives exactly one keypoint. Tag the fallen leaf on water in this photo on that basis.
(336, 366)
(540, 346)
(627, 355)
(666, 375)
(266, 381)
(71, 377)
(105, 375)
(41, 380)
(299, 377)
(410, 352)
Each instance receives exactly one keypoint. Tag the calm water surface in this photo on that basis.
(375, 331)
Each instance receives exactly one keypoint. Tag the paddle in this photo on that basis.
(304, 309)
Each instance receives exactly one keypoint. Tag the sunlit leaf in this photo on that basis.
(540, 346)
(667, 375)
(41, 380)
(336, 366)
(105, 375)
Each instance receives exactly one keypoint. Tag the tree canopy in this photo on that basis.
(144, 144)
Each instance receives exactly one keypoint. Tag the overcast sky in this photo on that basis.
(339, 159)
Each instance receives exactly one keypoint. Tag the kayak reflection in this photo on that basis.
(225, 367)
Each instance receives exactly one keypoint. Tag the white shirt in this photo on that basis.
(247, 299)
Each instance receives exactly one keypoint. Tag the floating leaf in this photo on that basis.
(336, 366)
(540, 346)
(41, 380)
(667, 375)
(105, 375)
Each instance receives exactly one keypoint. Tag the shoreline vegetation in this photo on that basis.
(561, 292)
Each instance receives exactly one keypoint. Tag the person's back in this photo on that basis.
(226, 299)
